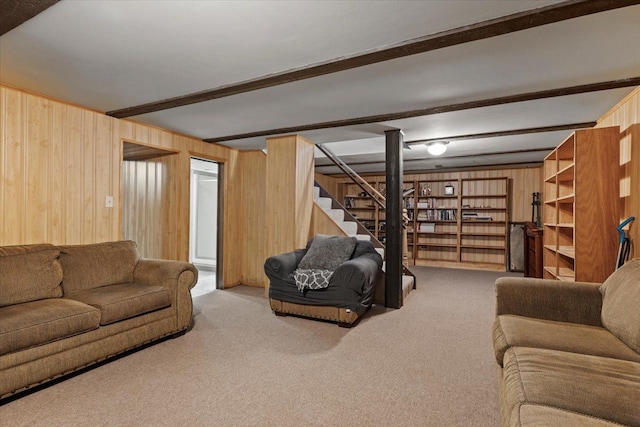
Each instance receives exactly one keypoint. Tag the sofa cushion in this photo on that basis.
(598, 387)
(29, 273)
(327, 252)
(545, 416)
(122, 301)
(95, 265)
(621, 302)
(39, 322)
(512, 331)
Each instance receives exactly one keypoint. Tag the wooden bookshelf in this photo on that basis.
(468, 226)
(484, 239)
(581, 206)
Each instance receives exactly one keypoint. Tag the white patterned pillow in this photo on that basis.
(312, 278)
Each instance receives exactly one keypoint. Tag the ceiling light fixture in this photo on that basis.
(437, 148)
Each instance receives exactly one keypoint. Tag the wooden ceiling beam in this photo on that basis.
(523, 97)
(461, 156)
(438, 169)
(524, 131)
(482, 30)
(502, 133)
(14, 12)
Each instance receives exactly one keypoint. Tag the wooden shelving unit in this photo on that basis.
(362, 207)
(468, 226)
(366, 211)
(581, 206)
(409, 204)
(484, 239)
(436, 213)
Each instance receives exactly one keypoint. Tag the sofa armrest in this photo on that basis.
(281, 266)
(358, 272)
(574, 302)
(177, 276)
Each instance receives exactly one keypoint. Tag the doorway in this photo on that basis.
(205, 204)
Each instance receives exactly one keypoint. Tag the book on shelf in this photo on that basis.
(437, 215)
(427, 227)
(473, 216)
(409, 203)
(448, 215)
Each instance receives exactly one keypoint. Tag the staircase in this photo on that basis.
(352, 227)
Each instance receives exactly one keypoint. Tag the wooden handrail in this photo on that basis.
(377, 197)
(359, 181)
(353, 175)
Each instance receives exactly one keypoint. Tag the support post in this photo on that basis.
(393, 251)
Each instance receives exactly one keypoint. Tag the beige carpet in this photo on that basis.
(427, 364)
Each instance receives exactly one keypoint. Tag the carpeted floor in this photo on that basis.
(428, 364)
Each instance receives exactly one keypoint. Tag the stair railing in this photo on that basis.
(377, 197)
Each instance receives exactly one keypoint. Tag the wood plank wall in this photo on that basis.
(254, 167)
(58, 162)
(626, 114)
(328, 183)
(304, 190)
(55, 162)
(254, 189)
(523, 182)
(289, 178)
(322, 223)
(147, 207)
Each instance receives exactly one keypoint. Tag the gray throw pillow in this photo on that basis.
(328, 252)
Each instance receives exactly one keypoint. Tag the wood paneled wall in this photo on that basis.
(523, 182)
(328, 183)
(626, 114)
(322, 223)
(290, 172)
(254, 168)
(58, 162)
(146, 205)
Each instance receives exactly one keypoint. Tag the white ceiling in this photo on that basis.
(109, 55)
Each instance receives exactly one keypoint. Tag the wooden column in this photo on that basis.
(289, 193)
(393, 251)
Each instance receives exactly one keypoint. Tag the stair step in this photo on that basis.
(324, 202)
(407, 285)
(349, 227)
(381, 252)
(336, 214)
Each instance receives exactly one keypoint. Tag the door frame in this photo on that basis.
(219, 263)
